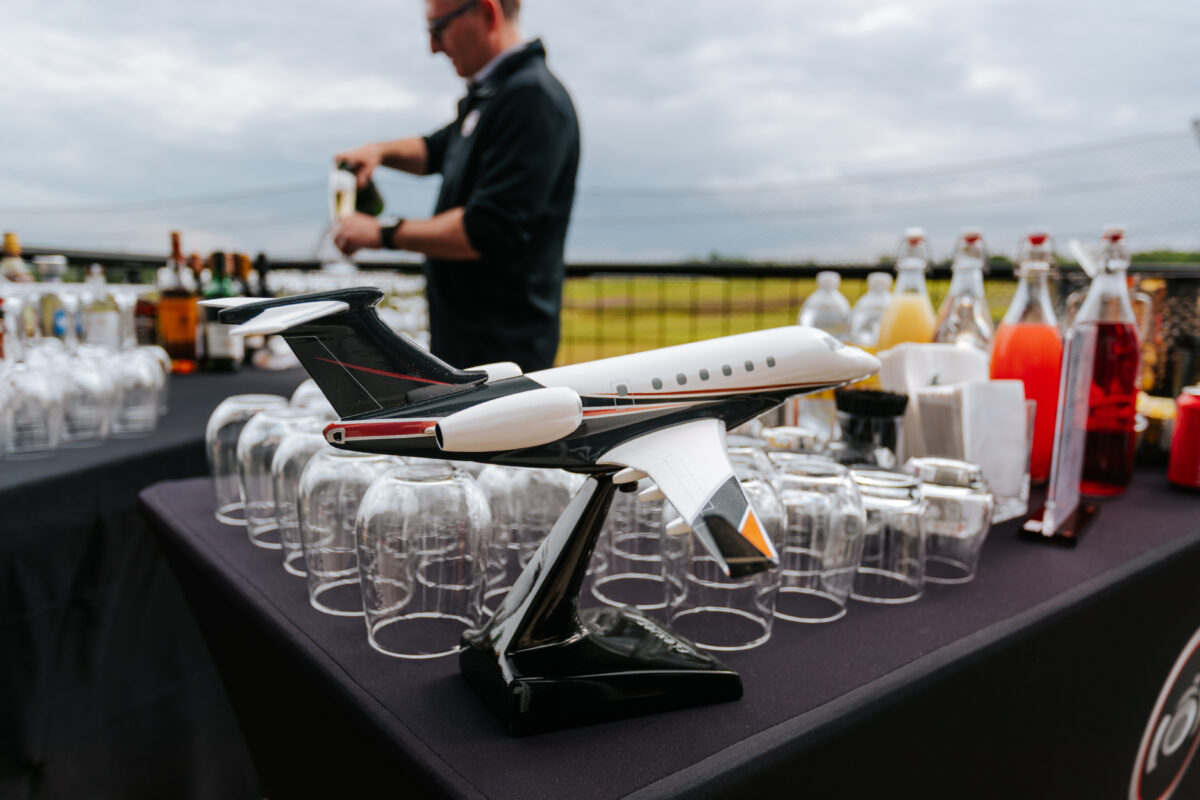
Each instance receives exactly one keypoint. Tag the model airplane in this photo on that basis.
(661, 413)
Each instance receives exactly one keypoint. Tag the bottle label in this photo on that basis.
(103, 327)
(221, 344)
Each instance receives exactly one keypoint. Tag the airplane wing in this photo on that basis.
(688, 464)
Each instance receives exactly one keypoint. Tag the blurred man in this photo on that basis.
(494, 246)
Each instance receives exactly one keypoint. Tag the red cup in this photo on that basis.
(1184, 469)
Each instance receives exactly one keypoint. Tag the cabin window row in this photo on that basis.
(681, 378)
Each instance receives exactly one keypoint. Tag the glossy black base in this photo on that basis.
(620, 664)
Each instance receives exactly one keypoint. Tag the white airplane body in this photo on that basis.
(660, 413)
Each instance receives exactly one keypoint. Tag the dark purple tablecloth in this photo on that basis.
(1035, 680)
(106, 687)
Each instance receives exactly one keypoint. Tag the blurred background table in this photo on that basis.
(106, 686)
(1035, 680)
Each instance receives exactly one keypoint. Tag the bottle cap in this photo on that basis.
(914, 236)
(12, 247)
(879, 282)
(1113, 232)
(971, 234)
(1037, 238)
(828, 280)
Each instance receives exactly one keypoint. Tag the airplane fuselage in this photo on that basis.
(734, 379)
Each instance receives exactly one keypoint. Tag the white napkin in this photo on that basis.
(908, 368)
(994, 433)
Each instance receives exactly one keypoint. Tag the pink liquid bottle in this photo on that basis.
(1112, 399)
(1027, 346)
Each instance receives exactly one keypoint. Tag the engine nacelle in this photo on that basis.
(525, 419)
(498, 371)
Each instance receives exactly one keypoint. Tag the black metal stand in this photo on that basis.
(543, 664)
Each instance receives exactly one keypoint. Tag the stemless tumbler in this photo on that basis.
(715, 611)
(630, 555)
(139, 380)
(420, 531)
(287, 466)
(224, 427)
(331, 487)
(34, 413)
(255, 451)
(823, 538)
(893, 558)
(958, 513)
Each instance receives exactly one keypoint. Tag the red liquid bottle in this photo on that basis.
(1027, 347)
(1112, 397)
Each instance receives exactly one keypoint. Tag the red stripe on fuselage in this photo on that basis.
(369, 430)
(702, 392)
(381, 372)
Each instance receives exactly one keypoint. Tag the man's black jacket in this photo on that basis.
(509, 159)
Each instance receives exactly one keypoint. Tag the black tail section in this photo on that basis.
(360, 364)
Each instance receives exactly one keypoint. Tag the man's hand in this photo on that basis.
(363, 160)
(355, 232)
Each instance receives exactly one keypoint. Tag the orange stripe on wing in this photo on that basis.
(752, 531)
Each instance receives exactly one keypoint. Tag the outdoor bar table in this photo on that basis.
(1038, 679)
(106, 687)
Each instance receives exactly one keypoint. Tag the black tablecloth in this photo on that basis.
(106, 687)
(1035, 680)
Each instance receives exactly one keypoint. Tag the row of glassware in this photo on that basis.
(59, 397)
(423, 548)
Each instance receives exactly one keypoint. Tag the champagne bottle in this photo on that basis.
(367, 200)
(222, 352)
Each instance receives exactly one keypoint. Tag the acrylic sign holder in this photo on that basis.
(1063, 517)
(542, 664)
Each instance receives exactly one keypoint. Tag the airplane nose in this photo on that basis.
(860, 361)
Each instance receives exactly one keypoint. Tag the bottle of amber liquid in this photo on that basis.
(1112, 399)
(178, 311)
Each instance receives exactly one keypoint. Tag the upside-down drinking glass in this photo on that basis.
(822, 541)
(255, 451)
(221, 434)
(420, 531)
(893, 558)
(294, 452)
(331, 487)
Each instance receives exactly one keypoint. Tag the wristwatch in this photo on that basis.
(387, 235)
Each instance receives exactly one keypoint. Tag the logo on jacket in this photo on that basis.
(469, 122)
(1173, 731)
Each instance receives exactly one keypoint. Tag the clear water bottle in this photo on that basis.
(868, 311)
(827, 308)
(964, 318)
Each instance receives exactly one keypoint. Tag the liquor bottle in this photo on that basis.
(868, 310)
(964, 318)
(1112, 400)
(12, 266)
(826, 308)
(101, 313)
(909, 315)
(145, 311)
(177, 311)
(57, 304)
(222, 352)
(262, 266)
(1028, 347)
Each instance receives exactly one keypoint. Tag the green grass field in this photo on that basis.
(608, 316)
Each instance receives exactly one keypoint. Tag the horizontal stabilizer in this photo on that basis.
(279, 318)
(229, 302)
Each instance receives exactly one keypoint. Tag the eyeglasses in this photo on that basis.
(439, 24)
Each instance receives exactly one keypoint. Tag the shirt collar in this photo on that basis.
(480, 77)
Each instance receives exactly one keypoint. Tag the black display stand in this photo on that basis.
(542, 664)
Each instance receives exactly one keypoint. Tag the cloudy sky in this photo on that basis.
(777, 129)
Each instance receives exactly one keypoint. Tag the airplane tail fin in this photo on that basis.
(358, 362)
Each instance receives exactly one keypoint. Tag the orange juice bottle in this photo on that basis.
(909, 315)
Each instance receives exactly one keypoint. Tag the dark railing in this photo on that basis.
(609, 309)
